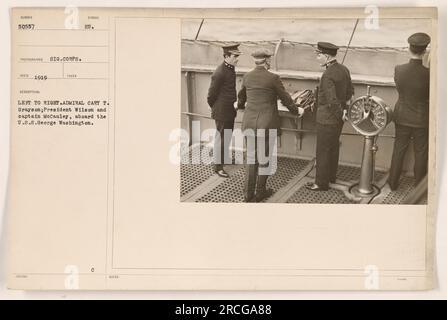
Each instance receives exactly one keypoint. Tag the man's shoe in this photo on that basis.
(264, 195)
(222, 173)
(314, 187)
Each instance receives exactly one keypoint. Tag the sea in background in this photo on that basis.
(391, 32)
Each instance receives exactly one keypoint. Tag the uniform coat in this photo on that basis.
(222, 93)
(335, 89)
(221, 98)
(411, 114)
(413, 85)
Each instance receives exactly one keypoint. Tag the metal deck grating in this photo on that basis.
(193, 155)
(397, 196)
(302, 195)
(230, 190)
(192, 175)
(347, 173)
(350, 174)
(286, 170)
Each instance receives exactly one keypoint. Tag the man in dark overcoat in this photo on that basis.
(411, 112)
(334, 90)
(221, 98)
(258, 96)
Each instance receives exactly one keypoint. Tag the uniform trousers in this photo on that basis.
(255, 180)
(222, 143)
(404, 134)
(328, 146)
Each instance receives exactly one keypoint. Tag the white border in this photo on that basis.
(441, 237)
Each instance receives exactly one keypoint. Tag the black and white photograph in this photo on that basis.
(320, 111)
(231, 150)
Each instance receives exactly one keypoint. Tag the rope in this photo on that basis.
(350, 39)
(198, 31)
(292, 43)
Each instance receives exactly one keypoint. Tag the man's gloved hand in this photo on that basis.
(345, 115)
(299, 110)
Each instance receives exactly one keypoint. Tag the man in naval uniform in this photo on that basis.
(221, 99)
(411, 112)
(258, 95)
(334, 90)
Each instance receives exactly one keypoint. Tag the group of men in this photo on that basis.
(261, 89)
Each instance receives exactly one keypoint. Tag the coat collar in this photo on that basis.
(329, 63)
(261, 68)
(416, 61)
(228, 65)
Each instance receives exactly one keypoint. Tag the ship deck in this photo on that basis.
(198, 183)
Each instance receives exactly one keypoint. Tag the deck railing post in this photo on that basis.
(189, 106)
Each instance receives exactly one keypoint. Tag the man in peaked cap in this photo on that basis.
(327, 48)
(258, 96)
(411, 112)
(221, 99)
(334, 90)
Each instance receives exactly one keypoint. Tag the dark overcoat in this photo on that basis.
(334, 90)
(413, 85)
(222, 93)
(259, 96)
